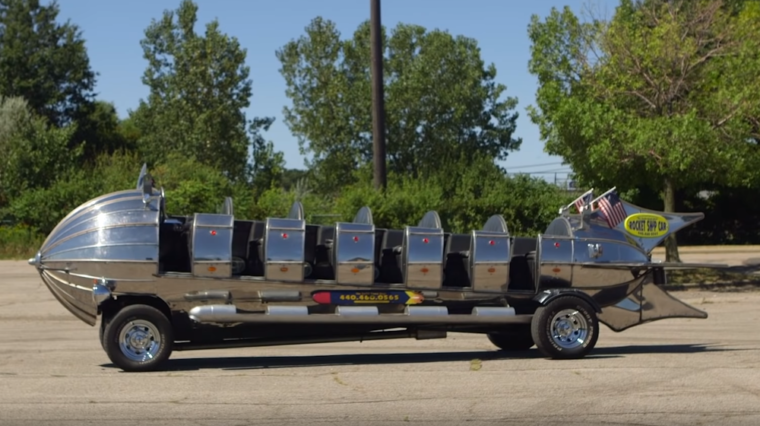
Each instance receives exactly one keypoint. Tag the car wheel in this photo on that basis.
(566, 328)
(138, 338)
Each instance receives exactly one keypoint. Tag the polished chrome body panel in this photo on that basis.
(490, 258)
(423, 257)
(114, 236)
(212, 245)
(648, 302)
(284, 249)
(355, 253)
(124, 245)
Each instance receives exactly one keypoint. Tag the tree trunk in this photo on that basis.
(669, 199)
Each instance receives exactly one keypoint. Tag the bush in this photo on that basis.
(464, 201)
(19, 242)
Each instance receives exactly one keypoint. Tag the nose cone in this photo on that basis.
(36, 260)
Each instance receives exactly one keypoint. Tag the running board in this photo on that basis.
(413, 315)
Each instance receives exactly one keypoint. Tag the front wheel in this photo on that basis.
(138, 338)
(566, 328)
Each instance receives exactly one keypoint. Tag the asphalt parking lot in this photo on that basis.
(672, 372)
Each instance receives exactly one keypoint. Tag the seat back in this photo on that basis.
(422, 253)
(354, 250)
(284, 247)
(490, 256)
(211, 249)
(354, 253)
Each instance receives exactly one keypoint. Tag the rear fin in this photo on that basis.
(639, 216)
(648, 228)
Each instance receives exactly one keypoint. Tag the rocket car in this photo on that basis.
(160, 283)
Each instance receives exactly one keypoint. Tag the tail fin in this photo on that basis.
(648, 228)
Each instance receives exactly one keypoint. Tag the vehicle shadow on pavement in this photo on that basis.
(659, 349)
(253, 362)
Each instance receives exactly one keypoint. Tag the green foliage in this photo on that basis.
(464, 203)
(648, 97)
(199, 86)
(268, 165)
(42, 208)
(441, 101)
(44, 61)
(191, 186)
(661, 97)
(33, 154)
(19, 242)
(102, 132)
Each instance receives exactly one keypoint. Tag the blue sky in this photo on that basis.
(113, 29)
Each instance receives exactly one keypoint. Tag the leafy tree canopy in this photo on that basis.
(442, 102)
(661, 96)
(199, 86)
(43, 61)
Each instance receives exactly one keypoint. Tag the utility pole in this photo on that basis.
(378, 107)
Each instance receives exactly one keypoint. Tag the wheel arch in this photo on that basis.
(547, 296)
(110, 307)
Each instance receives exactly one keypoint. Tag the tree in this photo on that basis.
(199, 87)
(268, 165)
(33, 154)
(102, 131)
(442, 103)
(43, 61)
(661, 96)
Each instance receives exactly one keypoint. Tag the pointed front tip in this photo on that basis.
(36, 260)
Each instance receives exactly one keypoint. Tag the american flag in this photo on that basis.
(583, 201)
(612, 209)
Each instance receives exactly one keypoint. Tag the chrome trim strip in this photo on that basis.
(357, 311)
(493, 311)
(386, 319)
(287, 310)
(426, 310)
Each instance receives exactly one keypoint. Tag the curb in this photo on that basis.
(710, 249)
(729, 286)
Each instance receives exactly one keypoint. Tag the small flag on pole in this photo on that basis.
(584, 201)
(612, 209)
(581, 203)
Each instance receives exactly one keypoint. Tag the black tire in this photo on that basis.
(578, 343)
(141, 319)
(512, 340)
(102, 332)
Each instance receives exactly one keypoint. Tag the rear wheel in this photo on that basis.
(138, 338)
(519, 339)
(566, 328)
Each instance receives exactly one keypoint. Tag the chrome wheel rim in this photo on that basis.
(569, 329)
(140, 340)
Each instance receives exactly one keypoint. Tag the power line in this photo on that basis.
(535, 165)
(542, 172)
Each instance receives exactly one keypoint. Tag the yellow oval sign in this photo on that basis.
(646, 225)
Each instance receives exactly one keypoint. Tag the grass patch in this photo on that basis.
(19, 242)
(712, 280)
(710, 276)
